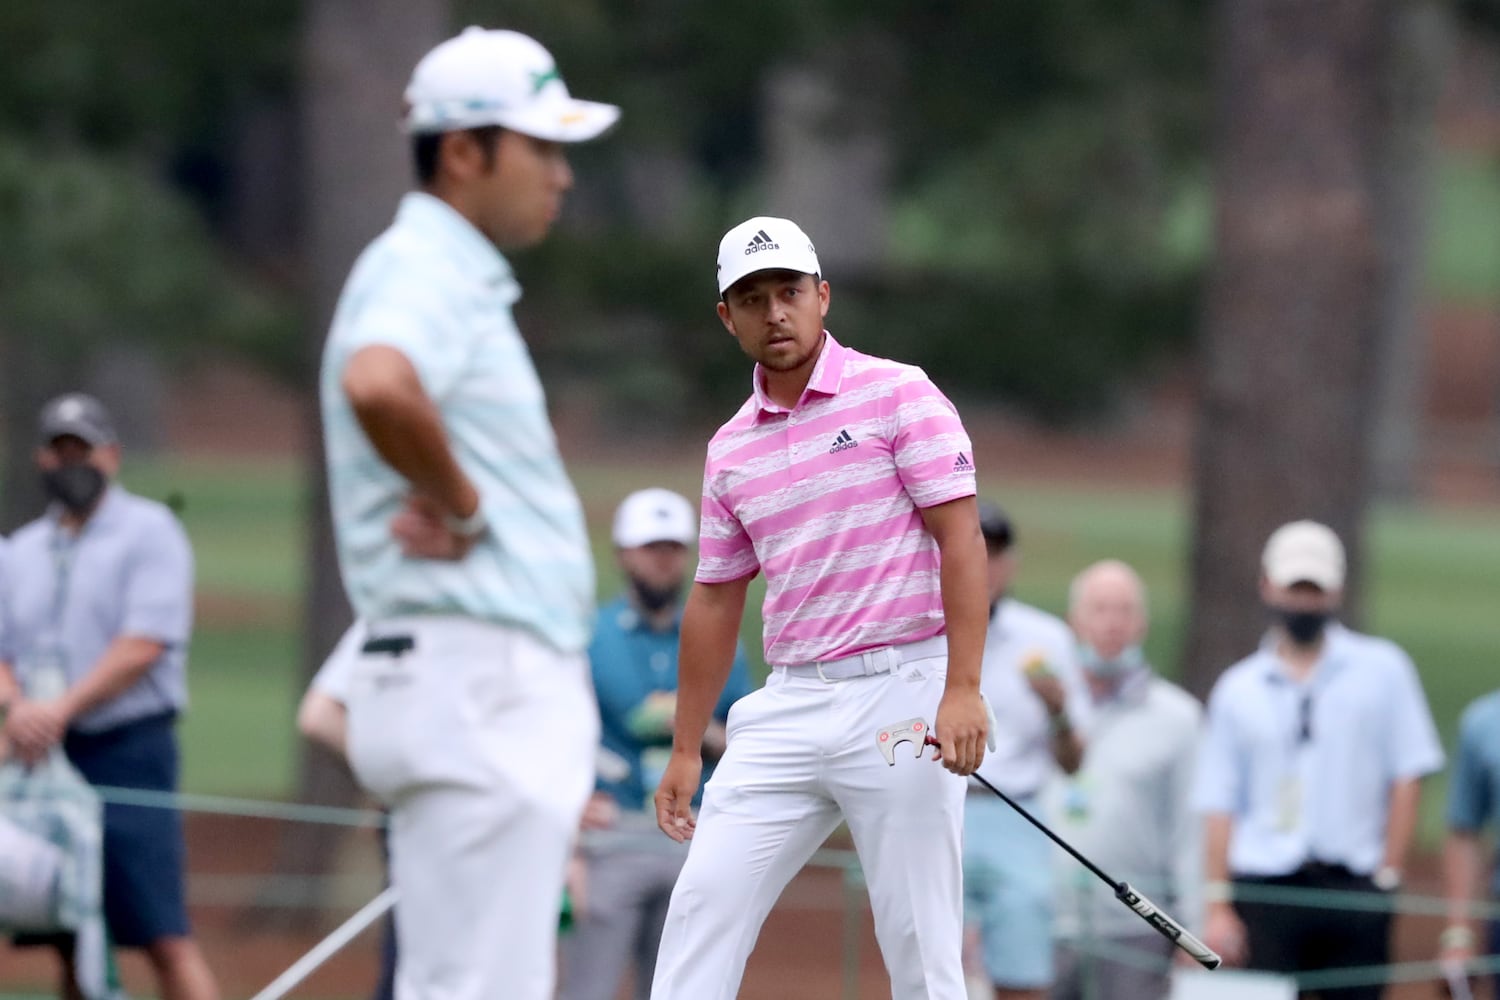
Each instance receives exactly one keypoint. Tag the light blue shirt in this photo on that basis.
(1474, 789)
(1019, 634)
(1129, 810)
(435, 289)
(129, 572)
(1317, 793)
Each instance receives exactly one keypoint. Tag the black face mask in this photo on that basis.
(1304, 627)
(77, 486)
(654, 599)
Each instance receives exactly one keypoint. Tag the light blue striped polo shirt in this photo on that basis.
(433, 287)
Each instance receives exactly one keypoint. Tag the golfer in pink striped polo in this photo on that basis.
(848, 480)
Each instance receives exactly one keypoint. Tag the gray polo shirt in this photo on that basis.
(129, 572)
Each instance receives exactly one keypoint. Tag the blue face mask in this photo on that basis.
(1129, 661)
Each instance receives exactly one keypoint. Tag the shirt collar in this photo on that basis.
(110, 506)
(826, 379)
(629, 619)
(1332, 657)
(1131, 689)
(477, 256)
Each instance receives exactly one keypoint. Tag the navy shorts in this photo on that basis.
(143, 845)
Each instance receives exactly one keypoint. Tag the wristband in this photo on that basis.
(467, 527)
(1218, 892)
(1456, 936)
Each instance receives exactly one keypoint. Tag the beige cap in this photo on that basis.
(1304, 551)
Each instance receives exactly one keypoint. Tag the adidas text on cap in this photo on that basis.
(1304, 552)
(764, 243)
(483, 77)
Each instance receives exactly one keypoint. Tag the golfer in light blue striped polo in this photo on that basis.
(461, 539)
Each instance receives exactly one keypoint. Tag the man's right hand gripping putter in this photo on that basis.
(916, 732)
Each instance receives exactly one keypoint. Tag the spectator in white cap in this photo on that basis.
(461, 539)
(628, 870)
(1309, 777)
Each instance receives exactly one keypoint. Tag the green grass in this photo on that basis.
(1434, 588)
(1464, 255)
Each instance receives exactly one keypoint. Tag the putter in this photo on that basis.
(917, 731)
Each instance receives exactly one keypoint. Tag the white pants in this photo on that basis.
(802, 753)
(481, 741)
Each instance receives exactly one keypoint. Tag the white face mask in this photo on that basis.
(1130, 660)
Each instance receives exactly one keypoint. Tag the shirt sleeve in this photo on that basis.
(415, 321)
(1219, 780)
(933, 454)
(159, 588)
(1469, 801)
(737, 686)
(1186, 828)
(334, 676)
(1413, 741)
(725, 551)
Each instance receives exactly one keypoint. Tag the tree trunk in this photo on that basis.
(1293, 307)
(27, 377)
(357, 56)
(829, 155)
(1420, 34)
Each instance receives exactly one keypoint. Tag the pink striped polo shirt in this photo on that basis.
(824, 499)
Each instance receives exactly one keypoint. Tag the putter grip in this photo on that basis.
(1167, 927)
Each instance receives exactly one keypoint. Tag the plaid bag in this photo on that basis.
(51, 875)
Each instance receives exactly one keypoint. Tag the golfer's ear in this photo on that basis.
(724, 317)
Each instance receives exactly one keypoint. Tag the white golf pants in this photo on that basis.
(802, 754)
(481, 739)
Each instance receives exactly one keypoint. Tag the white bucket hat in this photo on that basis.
(482, 77)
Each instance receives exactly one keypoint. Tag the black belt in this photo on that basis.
(389, 645)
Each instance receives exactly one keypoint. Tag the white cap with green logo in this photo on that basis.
(482, 77)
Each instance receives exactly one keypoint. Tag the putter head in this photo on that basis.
(913, 731)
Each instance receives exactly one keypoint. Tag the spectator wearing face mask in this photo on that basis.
(99, 611)
(624, 881)
(1310, 775)
(1128, 807)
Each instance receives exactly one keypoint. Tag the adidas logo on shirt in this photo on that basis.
(962, 463)
(760, 241)
(842, 443)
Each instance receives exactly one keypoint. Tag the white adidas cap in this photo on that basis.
(483, 77)
(764, 243)
(654, 515)
(1304, 551)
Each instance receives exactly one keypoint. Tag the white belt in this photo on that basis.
(870, 662)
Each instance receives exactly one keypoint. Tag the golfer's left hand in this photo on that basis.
(961, 728)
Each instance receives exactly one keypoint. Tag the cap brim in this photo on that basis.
(91, 436)
(801, 265)
(1304, 571)
(571, 120)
